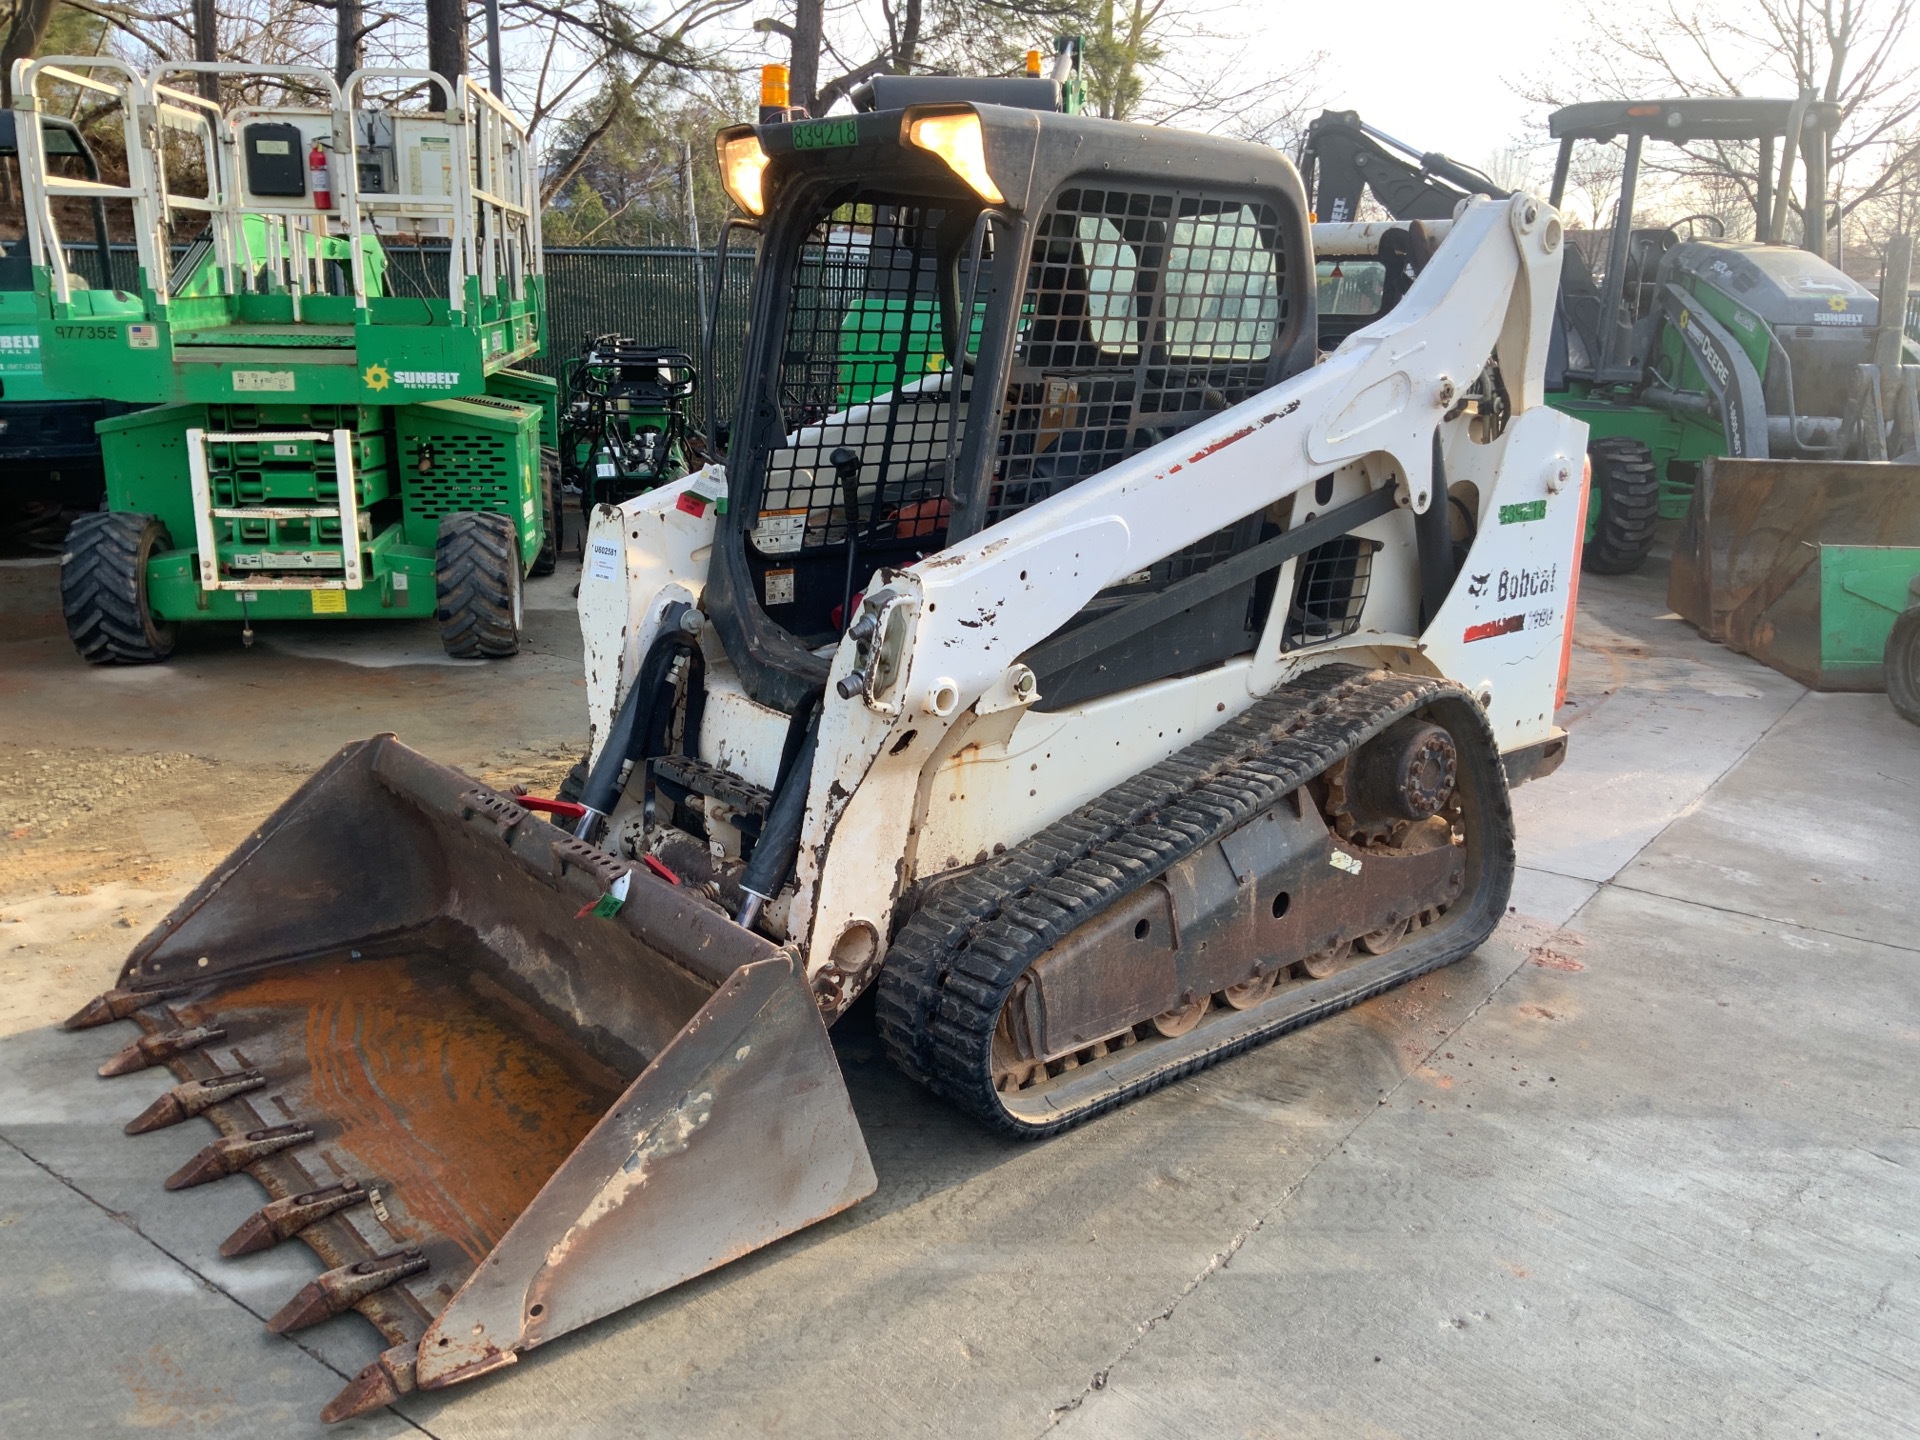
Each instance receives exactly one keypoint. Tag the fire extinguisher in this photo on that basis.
(317, 180)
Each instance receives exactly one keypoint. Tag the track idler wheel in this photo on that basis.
(1181, 1019)
(1249, 993)
(1407, 773)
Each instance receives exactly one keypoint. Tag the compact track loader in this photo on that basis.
(1120, 690)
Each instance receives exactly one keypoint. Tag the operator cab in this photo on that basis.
(1613, 276)
(960, 309)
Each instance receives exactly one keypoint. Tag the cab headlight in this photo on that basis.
(743, 166)
(958, 140)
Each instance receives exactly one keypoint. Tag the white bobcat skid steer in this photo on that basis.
(1062, 650)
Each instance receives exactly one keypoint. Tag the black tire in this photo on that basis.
(548, 560)
(1628, 484)
(103, 589)
(476, 576)
(1903, 663)
(575, 785)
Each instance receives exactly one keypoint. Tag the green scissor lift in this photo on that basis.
(338, 428)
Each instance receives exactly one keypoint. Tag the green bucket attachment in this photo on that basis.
(1802, 564)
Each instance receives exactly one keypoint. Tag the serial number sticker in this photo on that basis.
(605, 470)
(400, 582)
(289, 452)
(329, 602)
(1340, 860)
(279, 381)
(89, 332)
(1520, 514)
(606, 561)
(779, 587)
(826, 134)
(780, 532)
(143, 337)
(249, 597)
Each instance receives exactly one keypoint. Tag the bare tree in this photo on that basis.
(447, 41)
(1156, 60)
(635, 57)
(25, 33)
(1856, 54)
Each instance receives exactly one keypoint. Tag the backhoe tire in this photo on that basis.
(103, 589)
(575, 785)
(1628, 484)
(477, 585)
(1903, 663)
(548, 560)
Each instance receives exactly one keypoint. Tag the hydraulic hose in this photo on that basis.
(635, 723)
(1433, 538)
(779, 843)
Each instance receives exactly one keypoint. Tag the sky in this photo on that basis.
(1437, 77)
(1424, 73)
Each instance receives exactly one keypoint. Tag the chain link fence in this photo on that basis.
(656, 297)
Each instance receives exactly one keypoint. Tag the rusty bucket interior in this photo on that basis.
(493, 1112)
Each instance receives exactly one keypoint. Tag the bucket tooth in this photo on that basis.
(112, 1005)
(283, 1219)
(381, 1383)
(185, 1101)
(234, 1153)
(338, 1290)
(160, 1047)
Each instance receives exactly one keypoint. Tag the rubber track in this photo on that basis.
(954, 962)
(475, 557)
(1629, 487)
(103, 594)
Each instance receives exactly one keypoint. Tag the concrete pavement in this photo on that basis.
(1648, 1163)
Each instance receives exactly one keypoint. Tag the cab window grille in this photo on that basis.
(864, 323)
(1329, 591)
(1144, 310)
